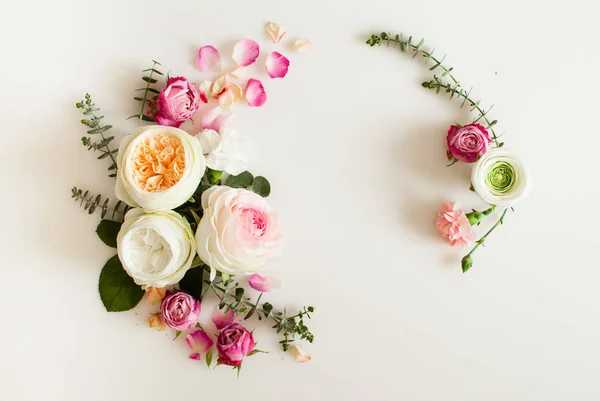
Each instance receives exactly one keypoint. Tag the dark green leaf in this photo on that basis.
(150, 80)
(261, 186)
(107, 231)
(192, 282)
(139, 99)
(148, 89)
(244, 180)
(209, 357)
(118, 291)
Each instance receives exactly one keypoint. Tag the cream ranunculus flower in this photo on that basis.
(159, 168)
(156, 249)
(501, 178)
(239, 233)
(223, 150)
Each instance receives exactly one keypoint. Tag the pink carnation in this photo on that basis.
(176, 103)
(467, 143)
(454, 226)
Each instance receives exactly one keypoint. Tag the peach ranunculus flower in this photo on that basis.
(453, 224)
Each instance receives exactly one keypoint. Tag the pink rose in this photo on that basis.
(180, 310)
(467, 143)
(176, 103)
(233, 344)
(454, 226)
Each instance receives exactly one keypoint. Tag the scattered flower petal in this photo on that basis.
(204, 89)
(156, 322)
(154, 295)
(275, 31)
(303, 46)
(239, 72)
(218, 86)
(299, 354)
(209, 59)
(245, 52)
(277, 65)
(195, 356)
(221, 319)
(232, 94)
(216, 118)
(255, 93)
(199, 342)
(260, 283)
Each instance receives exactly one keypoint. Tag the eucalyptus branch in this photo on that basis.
(91, 203)
(93, 122)
(467, 260)
(408, 45)
(147, 91)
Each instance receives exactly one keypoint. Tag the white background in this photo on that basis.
(354, 149)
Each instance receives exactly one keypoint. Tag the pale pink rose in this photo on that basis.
(454, 226)
(176, 103)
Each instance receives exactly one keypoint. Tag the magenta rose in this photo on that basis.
(176, 103)
(467, 143)
(180, 310)
(233, 344)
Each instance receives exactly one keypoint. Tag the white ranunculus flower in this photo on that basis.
(501, 178)
(159, 168)
(239, 233)
(223, 150)
(156, 249)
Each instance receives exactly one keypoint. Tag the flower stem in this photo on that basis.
(467, 260)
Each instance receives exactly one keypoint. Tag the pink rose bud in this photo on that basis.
(233, 344)
(180, 310)
(467, 143)
(453, 225)
(176, 103)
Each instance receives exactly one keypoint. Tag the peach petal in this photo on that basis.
(218, 86)
(255, 93)
(299, 354)
(275, 31)
(277, 65)
(204, 88)
(245, 52)
(209, 59)
(156, 322)
(232, 94)
(303, 46)
(155, 295)
(216, 118)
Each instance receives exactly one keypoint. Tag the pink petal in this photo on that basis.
(199, 342)
(255, 93)
(277, 65)
(195, 356)
(245, 52)
(216, 118)
(221, 319)
(209, 59)
(275, 31)
(204, 89)
(303, 46)
(260, 283)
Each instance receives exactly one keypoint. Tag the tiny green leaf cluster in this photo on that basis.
(91, 203)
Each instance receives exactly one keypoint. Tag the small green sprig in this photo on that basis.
(94, 122)
(454, 88)
(149, 93)
(467, 260)
(91, 203)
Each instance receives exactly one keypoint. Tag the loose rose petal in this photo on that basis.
(255, 93)
(277, 65)
(156, 322)
(299, 354)
(195, 356)
(204, 89)
(216, 118)
(275, 31)
(218, 86)
(154, 295)
(260, 283)
(232, 94)
(221, 319)
(209, 59)
(239, 72)
(245, 52)
(199, 342)
(303, 46)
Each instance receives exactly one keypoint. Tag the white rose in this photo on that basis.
(223, 150)
(501, 178)
(239, 233)
(159, 168)
(156, 249)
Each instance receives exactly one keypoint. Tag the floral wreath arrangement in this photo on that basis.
(499, 176)
(190, 220)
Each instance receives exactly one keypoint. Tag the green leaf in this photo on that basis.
(244, 180)
(192, 282)
(118, 291)
(256, 351)
(149, 80)
(209, 357)
(261, 186)
(107, 231)
(177, 334)
(213, 175)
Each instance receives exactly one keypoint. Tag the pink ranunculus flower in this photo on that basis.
(454, 226)
(177, 102)
(467, 143)
(233, 344)
(239, 233)
(180, 310)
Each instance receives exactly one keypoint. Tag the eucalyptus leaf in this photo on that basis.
(118, 291)
(243, 180)
(261, 186)
(107, 231)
